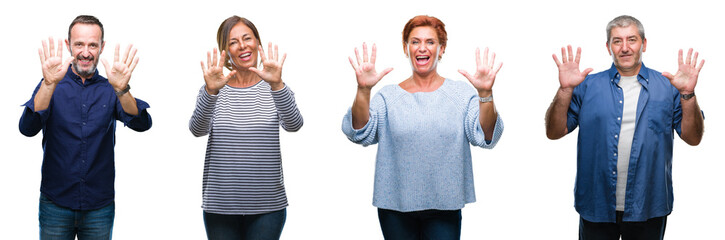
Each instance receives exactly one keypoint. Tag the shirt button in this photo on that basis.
(615, 154)
(84, 123)
(620, 101)
(616, 136)
(614, 173)
(619, 119)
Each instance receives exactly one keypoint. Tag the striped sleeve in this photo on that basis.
(200, 122)
(289, 115)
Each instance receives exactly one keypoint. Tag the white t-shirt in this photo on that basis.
(630, 89)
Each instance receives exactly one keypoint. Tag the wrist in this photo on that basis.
(485, 93)
(211, 91)
(362, 89)
(687, 96)
(122, 91)
(685, 92)
(48, 83)
(276, 86)
(566, 90)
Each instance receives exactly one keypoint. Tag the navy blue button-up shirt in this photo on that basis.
(78, 138)
(596, 108)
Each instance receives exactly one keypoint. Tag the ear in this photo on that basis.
(67, 44)
(441, 52)
(609, 50)
(644, 45)
(103, 45)
(405, 50)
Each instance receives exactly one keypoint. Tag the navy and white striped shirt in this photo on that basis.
(243, 164)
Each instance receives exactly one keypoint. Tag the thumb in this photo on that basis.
(255, 70)
(668, 75)
(230, 75)
(587, 71)
(67, 62)
(465, 74)
(105, 64)
(385, 72)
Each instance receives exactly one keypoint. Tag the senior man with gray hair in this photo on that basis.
(76, 108)
(627, 117)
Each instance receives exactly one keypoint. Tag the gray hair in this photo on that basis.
(86, 19)
(624, 21)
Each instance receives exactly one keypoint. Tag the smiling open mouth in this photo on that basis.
(85, 61)
(245, 56)
(421, 60)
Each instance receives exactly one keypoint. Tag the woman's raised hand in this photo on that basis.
(365, 71)
(485, 74)
(214, 72)
(271, 67)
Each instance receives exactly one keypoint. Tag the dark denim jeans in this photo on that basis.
(251, 227)
(652, 229)
(426, 224)
(58, 222)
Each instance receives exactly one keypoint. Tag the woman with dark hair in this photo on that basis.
(423, 127)
(243, 188)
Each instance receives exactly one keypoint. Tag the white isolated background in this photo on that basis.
(524, 186)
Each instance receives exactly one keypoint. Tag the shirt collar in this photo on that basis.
(642, 75)
(72, 75)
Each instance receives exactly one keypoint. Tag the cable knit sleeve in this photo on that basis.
(474, 132)
(368, 134)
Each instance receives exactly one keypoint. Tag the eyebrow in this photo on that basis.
(242, 37)
(76, 42)
(416, 38)
(627, 37)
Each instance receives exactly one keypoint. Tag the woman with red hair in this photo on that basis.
(424, 127)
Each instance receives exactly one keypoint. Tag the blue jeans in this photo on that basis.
(652, 229)
(252, 227)
(426, 224)
(58, 222)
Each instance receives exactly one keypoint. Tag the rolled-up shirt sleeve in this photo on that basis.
(140, 122)
(31, 121)
(572, 115)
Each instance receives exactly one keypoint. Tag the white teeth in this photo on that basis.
(422, 57)
(246, 55)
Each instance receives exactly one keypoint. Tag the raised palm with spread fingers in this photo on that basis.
(365, 71)
(485, 74)
(214, 72)
(271, 71)
(123, 65)
(569, 74)
(687, 73)
(52, 63)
